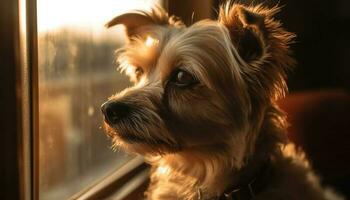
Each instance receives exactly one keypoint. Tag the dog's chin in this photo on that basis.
(135, 143)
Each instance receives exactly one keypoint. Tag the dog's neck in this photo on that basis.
(210, 173)
(214, 172)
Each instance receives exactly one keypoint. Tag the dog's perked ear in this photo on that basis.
(135, 21)
(131, 21)
(262, 43)
(246, 29)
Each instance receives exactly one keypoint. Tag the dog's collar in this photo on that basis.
(246, 192)
(242, 192)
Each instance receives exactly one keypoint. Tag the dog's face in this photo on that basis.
(197, 88)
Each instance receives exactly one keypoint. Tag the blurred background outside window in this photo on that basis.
(77, 73)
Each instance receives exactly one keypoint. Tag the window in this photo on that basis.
(76, 74)
(57, 67)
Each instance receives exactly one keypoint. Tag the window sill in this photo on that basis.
(128, 182)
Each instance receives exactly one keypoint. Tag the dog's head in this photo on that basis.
(197, 88)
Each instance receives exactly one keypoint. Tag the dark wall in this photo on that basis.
(322, 47)
(191, 11)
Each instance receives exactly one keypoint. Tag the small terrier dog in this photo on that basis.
(203, 110)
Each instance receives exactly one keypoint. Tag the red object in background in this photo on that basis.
(320, 125)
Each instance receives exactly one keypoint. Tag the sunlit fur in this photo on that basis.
(220, 131)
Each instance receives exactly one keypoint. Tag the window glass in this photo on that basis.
(77, 73)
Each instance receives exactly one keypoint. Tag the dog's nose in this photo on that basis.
(114, 111)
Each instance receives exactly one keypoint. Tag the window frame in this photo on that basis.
(16, 100)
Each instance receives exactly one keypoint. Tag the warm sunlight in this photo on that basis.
(54, 14)
(151, 41)
(77, 71)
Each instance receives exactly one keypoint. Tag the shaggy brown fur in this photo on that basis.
(202, 110)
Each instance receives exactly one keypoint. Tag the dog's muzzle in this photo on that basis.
(114, 112)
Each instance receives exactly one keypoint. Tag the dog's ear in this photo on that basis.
(135, 21)
(246, 29)
(131, 21)
(262, 43)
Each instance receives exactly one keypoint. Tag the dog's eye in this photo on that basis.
(182, 78)
(138, 72)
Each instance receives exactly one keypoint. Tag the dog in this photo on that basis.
(202, 110)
